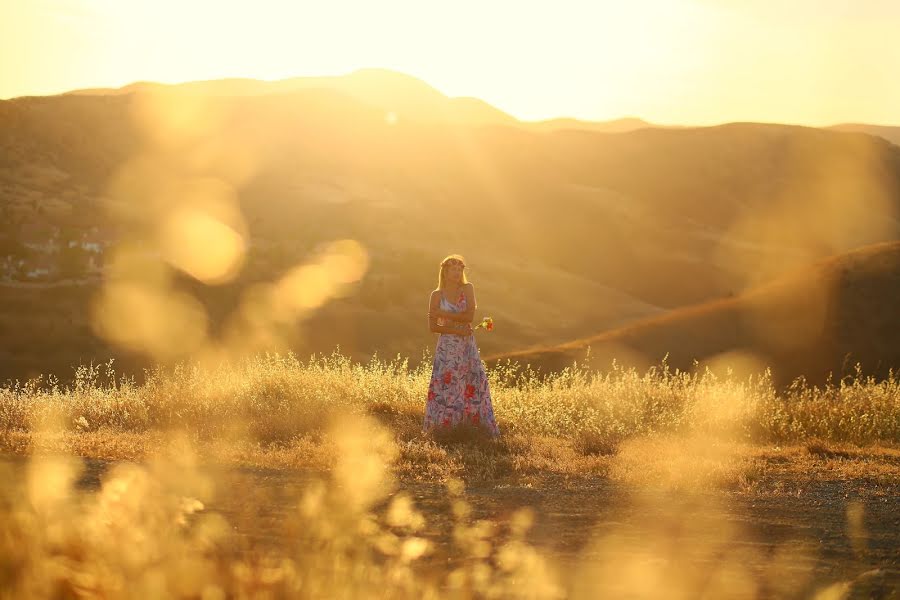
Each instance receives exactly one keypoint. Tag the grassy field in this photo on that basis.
(355, 429)
(279, 411)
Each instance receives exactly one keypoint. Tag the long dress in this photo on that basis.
(458, 391)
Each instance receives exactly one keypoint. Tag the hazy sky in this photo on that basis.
(816, 62)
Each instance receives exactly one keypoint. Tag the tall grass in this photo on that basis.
(278, 397)
(145, 532)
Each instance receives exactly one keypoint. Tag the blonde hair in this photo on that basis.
(443, 268)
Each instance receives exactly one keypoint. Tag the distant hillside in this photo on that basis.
(891, 134)
(567, 232)
(811, 322)
(400, 95)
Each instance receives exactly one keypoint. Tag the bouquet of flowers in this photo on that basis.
(487, 323)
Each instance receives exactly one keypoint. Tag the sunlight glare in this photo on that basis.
(202, 246)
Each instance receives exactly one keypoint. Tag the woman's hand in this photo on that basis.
(456, 328)
(441, 314)
(466, 330)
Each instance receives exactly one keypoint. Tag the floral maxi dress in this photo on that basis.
(458, 391)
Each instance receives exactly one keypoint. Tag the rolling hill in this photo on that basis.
(389, 91)
(392, 92)
(815, 321)
(567, 231)
(890, 133)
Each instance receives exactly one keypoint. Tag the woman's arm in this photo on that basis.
(434, 313)
(471, 305)
(468, 315)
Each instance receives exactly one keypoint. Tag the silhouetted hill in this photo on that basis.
(396, 93)
(812, 322)
(566, 231)
(400, 95)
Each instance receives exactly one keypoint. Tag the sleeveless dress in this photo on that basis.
(458, 391)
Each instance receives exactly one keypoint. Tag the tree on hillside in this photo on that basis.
(73, 262)
(11, 245)
(69, 233)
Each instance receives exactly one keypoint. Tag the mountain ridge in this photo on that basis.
(251, 86)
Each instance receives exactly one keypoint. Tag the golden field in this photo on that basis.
(353, 432)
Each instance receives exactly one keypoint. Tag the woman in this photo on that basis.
(458, 391)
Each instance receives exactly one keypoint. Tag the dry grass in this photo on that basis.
(278, 411)
(357, 427)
